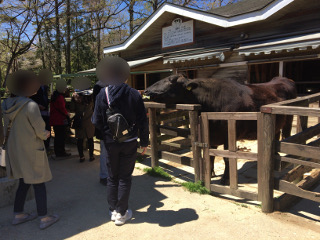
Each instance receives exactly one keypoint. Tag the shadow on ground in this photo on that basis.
(76, 195)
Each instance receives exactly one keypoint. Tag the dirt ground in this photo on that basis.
(162, 210)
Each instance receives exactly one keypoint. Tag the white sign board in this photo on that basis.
(179, 33)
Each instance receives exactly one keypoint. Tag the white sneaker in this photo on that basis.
(120, 220)
(113, 215)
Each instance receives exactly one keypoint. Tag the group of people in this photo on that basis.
(113, 111)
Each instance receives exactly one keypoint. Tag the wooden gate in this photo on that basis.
(231, 153)
(169, 122)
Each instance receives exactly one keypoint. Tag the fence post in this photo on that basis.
(232, 142)
(206, 155)
(153, 137)
(266, 161)
(193, 117)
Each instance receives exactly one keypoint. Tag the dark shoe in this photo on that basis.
(64, 155)
(26, 218)
(104, 181)
(51, 219)
(82, 159)
(91, 159)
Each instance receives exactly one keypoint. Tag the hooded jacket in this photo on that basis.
(25, 152)
(129, 103)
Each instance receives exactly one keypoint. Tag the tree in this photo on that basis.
(16, 19)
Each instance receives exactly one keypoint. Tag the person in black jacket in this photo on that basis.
(121, 157)
(42, 99)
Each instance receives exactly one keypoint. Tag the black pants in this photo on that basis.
(59, 140)
(80, 147)
(40, 194)
(121, 158)
(46, 119)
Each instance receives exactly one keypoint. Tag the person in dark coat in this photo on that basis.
(121, 157)
(59, 118)
(103, 155)
(82, 105)
(42, 99)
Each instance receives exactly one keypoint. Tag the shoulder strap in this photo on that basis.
(10, 125)
(107, 93)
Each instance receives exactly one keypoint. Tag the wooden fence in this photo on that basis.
(281, 165)
(301, 149)
(232, 153)
(165, 125)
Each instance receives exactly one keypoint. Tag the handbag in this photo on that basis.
(4, 145)
(117, 123)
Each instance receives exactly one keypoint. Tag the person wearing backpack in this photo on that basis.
(121, 116)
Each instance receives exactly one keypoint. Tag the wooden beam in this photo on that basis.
(298, 161)
(266, 154)
(281, 69)
(154, 105)
(292, 189)
(145, 81)
(260, 149)
(234, 192)
(232, 144)
(172, 115)
(302, 137)
(206, 139)
(298, 150)
(176, 132)
(188, 107)
(287, 200)
(177, 158)
(291, 110)
(153, 137)
(236, 154)
(309, 98)
(232, 116)
(196, 151)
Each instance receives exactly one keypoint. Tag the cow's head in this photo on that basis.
(169, 90)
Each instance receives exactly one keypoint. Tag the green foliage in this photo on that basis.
(196, 187)
(157, 172)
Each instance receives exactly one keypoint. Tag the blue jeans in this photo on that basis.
(103, 160)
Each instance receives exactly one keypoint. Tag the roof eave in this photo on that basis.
(201, 16)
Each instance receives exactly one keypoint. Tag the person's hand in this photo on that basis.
(48, 134)
(144, 149)
(41, 107)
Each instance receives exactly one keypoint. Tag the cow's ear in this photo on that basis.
(191, 86)
(173, 78)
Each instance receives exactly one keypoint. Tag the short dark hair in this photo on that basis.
(20, 80)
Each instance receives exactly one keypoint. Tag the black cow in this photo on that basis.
(217, 95)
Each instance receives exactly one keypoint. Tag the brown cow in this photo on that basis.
(224, 95)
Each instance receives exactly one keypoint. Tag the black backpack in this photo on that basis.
(117, 123)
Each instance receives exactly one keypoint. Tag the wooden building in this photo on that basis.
(252, 41)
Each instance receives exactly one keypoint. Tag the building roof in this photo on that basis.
(241, 7)
(311, 41)
(258, 12)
